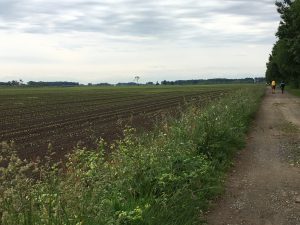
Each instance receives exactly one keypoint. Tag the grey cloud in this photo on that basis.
(256, 10)
(166, 20)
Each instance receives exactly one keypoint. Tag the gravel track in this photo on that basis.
(263, 187)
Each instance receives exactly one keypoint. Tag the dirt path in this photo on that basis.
(263, 188)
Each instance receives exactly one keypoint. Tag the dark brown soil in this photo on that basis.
(82, 122)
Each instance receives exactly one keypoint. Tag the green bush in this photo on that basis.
(168, 176)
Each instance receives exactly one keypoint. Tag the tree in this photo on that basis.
(284, 62)
(136, 78)
(13, 83)
(164, 82)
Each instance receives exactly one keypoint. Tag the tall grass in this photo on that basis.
(168, 176)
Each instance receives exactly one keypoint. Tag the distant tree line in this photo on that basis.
(216, 81)
(165, 82)
(128, 84)
(52, 84)
(12, 83)
(15, 83)
(284, 61)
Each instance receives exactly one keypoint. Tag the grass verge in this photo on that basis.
(164, 177)
(295, 92)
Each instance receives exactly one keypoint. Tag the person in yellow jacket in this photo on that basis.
(273, 86)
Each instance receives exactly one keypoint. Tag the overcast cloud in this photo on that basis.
(109, 40)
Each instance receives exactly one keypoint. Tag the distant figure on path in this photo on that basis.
(273, 86)
(282, 85)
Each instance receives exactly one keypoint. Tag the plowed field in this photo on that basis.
(64, 117)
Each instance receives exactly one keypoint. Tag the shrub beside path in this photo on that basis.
(263, 187)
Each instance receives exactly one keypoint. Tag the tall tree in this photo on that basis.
(284, 62)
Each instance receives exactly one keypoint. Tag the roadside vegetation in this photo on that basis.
(168, 176)
(295, 92)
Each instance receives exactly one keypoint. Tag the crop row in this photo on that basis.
(61, 115)
(65, 122)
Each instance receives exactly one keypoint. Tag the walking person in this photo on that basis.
(282, 85)
(273, 86)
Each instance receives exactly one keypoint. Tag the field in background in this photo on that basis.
(35, 117)
(167, 176)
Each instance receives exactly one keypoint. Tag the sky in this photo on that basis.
(93, 41)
